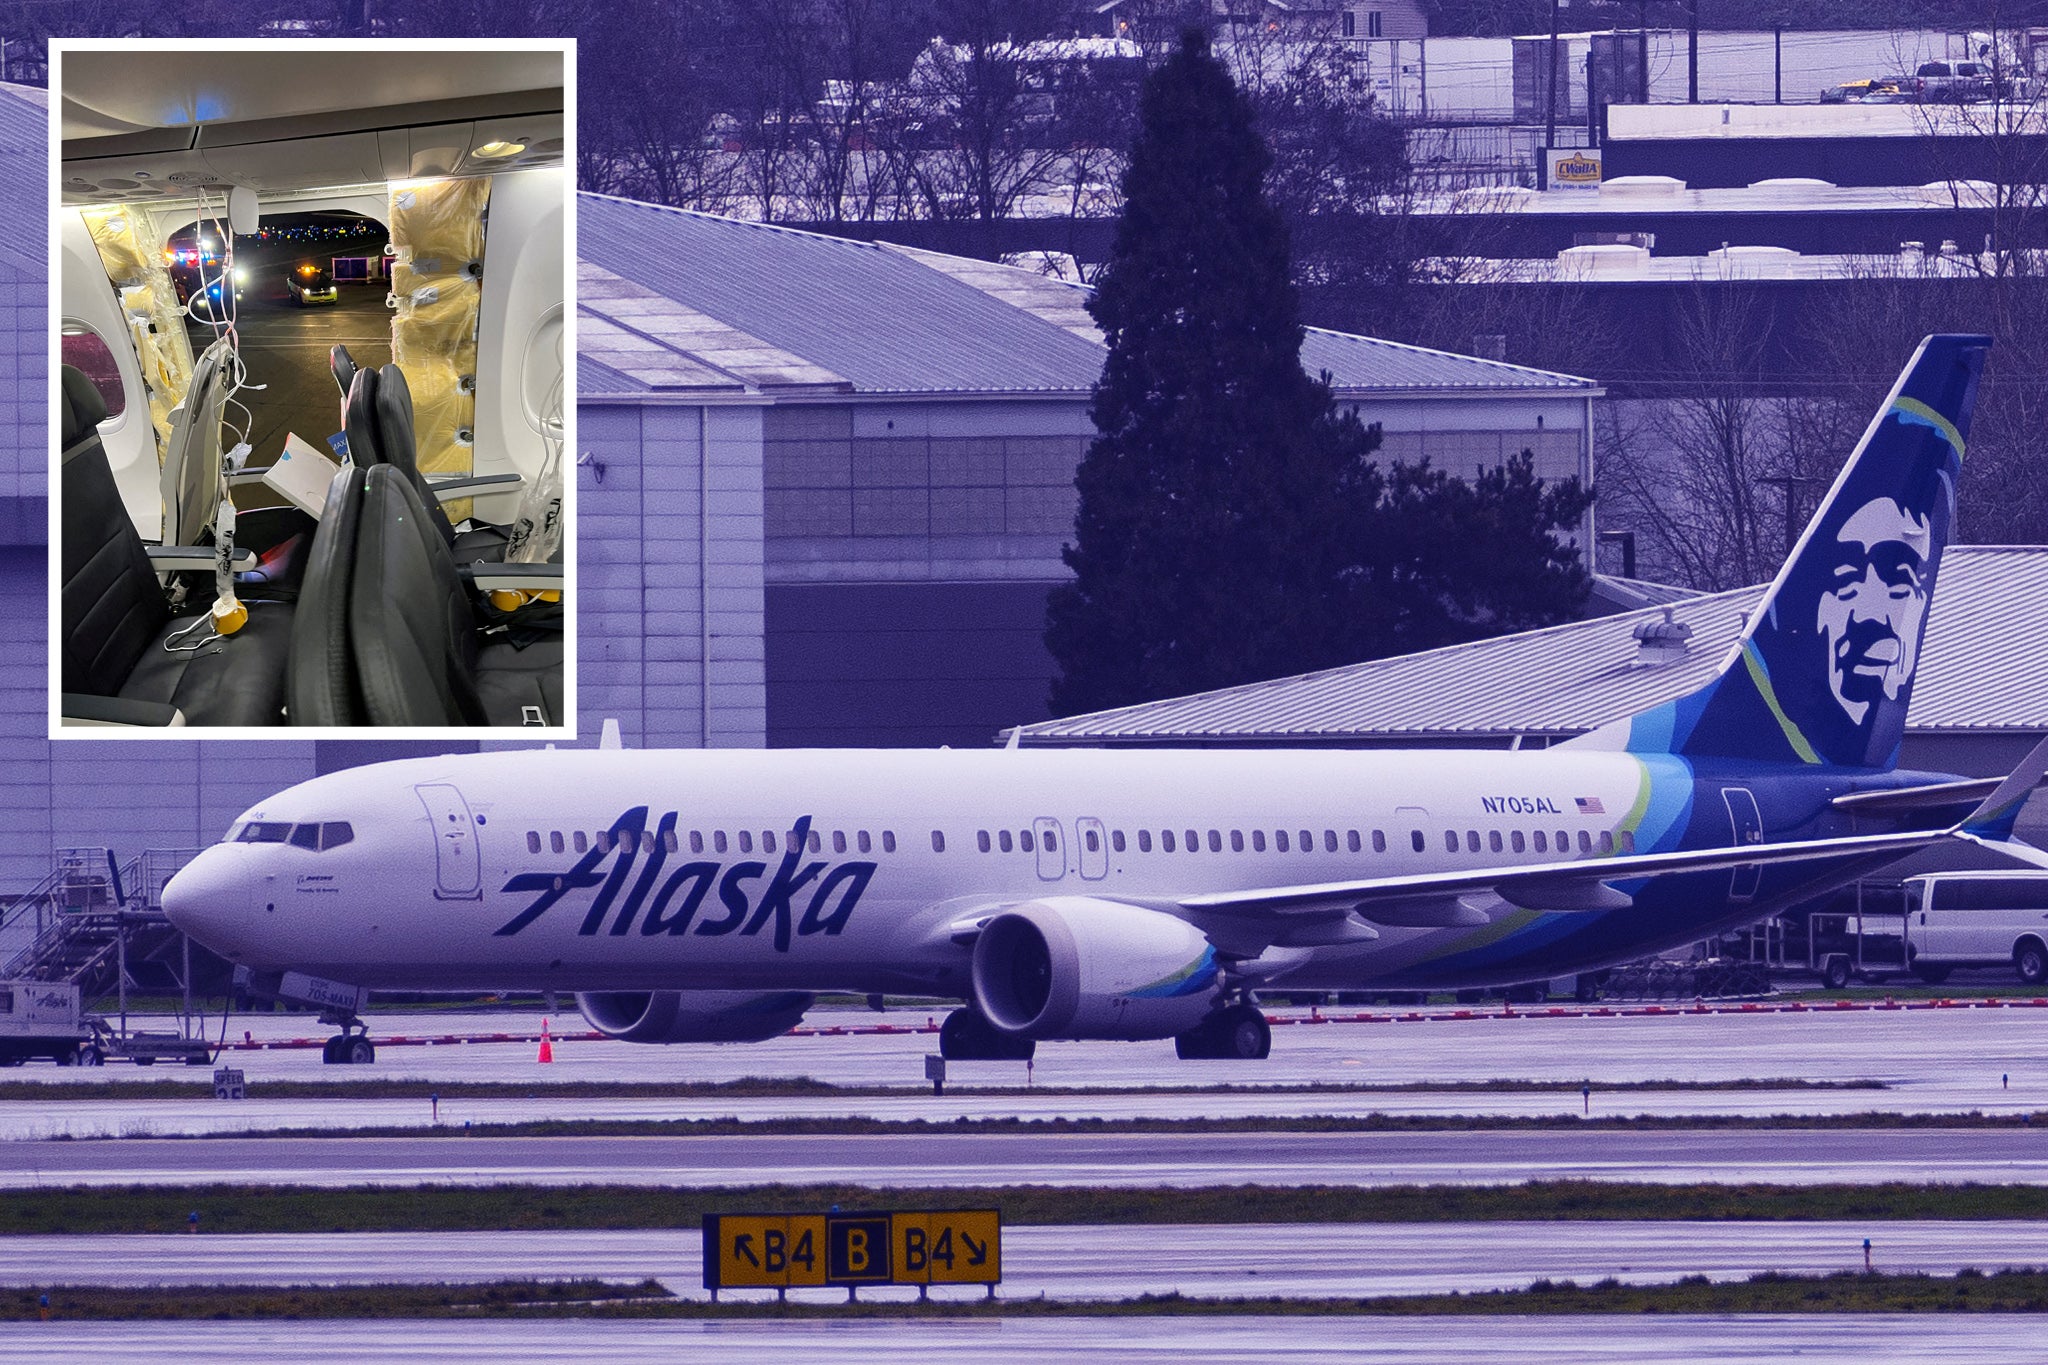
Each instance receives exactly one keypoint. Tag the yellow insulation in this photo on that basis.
(136, 268)
(443, 420)
(437, 258)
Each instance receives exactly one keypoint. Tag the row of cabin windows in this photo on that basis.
(717, 841)
(1285, 841)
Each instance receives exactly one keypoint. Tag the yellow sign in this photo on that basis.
(798, 1251)
(962, 1246)
(764, 1251)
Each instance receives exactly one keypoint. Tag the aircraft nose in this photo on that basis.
(206, 899)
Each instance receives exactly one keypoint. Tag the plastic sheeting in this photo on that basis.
(156, 324)
(437, 250)
(444, 422)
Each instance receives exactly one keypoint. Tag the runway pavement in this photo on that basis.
(1994, 1339)
(920, 1161)
(1106, 1262)
(1930, 1061)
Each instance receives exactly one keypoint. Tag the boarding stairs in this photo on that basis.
(92, 921)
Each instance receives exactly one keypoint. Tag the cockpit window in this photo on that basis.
(265, 832)
(331, 834)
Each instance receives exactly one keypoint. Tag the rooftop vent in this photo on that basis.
(1662, 642)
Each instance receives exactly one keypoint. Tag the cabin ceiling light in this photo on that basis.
(493, 151)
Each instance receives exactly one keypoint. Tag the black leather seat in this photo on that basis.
(320, 673)
(398, 444)
(342, 366)
(115, 620)
(420, 657)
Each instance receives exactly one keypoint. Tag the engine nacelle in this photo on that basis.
(1076, 967)
(693, 1016)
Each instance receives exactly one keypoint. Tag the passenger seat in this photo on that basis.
(116, 622)
(420, 656)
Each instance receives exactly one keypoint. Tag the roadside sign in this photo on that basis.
(798, 1251)
(764, 1251)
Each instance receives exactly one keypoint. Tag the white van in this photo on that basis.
(1978, 919)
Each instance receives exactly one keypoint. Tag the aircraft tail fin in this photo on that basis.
(1824, 670)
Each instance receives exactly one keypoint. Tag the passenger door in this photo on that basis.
(458, 873)
(1746, 826)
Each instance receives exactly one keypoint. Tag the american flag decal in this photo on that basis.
(1590, 805)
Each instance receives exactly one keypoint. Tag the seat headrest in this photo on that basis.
(84, 408)
(342, 366)
(395, 432)
(359, 420)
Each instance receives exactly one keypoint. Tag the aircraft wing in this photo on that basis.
(1583, 884)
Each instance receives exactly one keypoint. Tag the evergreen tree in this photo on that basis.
(1232, 525)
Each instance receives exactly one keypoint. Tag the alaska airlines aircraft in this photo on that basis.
(700, 896)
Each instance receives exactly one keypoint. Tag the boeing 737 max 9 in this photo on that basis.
(699, 896)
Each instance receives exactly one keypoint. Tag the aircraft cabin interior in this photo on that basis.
(310, 415)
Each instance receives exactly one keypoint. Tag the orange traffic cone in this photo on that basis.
(547, 1048)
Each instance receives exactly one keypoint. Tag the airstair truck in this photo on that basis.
(41, 1019)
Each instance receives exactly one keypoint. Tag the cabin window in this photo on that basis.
(1625, 840)
(1542, 844)
(1561, 841)
(816, 843)
(1166, 840)
(1237, 841)
(533, 841)
(980, 839)
(1493, 840)
(1280, 840)
(1116, 840)
(1450, 841)
(888, 841)
(1585, 842)
(582, 841)
(555, 840)
(1144, 841)
(839, 841)
(1329, 841)
(1052, 842)
(1516, 841)
(1351, 843)
(1379, 841)
(84, 350)
(603, 840)
(1215, 841)
(1308, 841)
(861, 841)
(1194, 842)
(1258, 841)
(668, 839)
(1025, 842)
(1091, 841)
(718, 841)
(696, 841)
(1003, 840)
(938, 842)
(1606, 844)
(746, 841)
(1471, 841)
(767, 841)
(1415, 839)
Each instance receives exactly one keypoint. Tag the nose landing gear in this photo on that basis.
(351, 1046)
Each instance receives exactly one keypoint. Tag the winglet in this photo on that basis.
(1994, 816)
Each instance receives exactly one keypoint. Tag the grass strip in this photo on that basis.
(2023, 1290)
(798, 1087)
(488, 1208)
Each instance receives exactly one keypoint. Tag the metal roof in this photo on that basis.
(1980, 669)
(773, 307)
(24, 160)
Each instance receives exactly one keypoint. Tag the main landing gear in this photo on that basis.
(351, 1046)
(1234, 1033)
(967, 1037)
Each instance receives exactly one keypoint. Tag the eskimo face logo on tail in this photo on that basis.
(828, 893)
(1869, 616)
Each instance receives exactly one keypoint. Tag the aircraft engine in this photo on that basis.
(693, 1016)
(1077, 967)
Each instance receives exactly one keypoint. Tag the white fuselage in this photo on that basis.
(463, 872)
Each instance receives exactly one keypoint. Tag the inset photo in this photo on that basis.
(311, 399)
